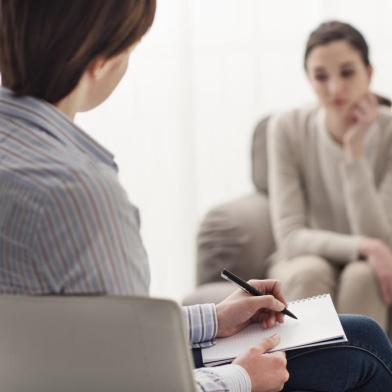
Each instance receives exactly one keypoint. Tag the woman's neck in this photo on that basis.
(66, 106)
(71, 103)
(336, 126)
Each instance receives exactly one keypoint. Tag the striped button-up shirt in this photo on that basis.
(67, 226)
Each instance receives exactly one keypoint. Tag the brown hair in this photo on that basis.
(334, 30)
(46, 45)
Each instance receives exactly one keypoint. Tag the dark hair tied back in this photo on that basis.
(334, 30)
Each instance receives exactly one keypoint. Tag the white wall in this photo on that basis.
(181, 121)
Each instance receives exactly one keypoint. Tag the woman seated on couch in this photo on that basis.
(330, 181)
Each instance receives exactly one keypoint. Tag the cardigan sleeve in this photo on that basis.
(368, 204)
(288, 205)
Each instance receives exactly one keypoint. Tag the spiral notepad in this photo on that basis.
(317, 324)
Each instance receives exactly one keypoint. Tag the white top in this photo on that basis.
(321, 204)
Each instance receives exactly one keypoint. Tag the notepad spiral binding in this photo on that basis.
(308, 299)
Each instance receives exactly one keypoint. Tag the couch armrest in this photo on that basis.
(236, 235)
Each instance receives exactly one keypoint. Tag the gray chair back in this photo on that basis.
(92, 344)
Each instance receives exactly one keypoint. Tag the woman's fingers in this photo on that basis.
(365, 111)
(269, 286)
(388, 290)
(268, 319)
(385, 291)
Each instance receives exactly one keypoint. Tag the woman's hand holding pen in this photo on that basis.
(379, 256)
(360, 118)
(268, 372)
(240, 309)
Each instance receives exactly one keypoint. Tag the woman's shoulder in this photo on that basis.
(385, 117)
(297, 121)
(384, 126)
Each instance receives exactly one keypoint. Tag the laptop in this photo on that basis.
(93, 344)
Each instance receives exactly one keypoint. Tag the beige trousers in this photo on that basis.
(353, 287)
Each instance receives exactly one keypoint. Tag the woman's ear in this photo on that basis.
(370, 72)
(98, 67)
(101, 66)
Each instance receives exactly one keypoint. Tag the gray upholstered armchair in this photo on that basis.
(237, 234)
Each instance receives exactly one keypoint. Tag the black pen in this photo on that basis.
(225, 274)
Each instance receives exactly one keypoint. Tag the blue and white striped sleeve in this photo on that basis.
(226, 378)
(202, 326)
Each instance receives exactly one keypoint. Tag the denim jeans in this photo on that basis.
(363, 364)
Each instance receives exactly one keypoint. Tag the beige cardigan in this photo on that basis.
(320, 204)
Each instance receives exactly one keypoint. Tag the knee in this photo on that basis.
(363, 330)
(312, 269)
(359, 274)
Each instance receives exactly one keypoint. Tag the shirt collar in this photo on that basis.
(52, 121)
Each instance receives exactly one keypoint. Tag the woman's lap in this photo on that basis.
(363, 364)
